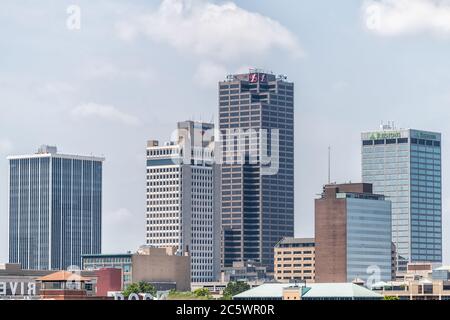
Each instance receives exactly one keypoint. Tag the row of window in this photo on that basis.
(400, 141)
(384, 141)
(163, 152)
(294, 258)
(294, 271)
(295, 265)
(295, 252)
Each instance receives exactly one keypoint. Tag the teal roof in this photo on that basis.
(340, 290)
(265, 291)
(316, 291)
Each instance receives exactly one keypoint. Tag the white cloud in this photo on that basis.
(95, 70)
(101, 69)
(55, 89)
(399, 17)
(209, 73)
(223, 31)
(105, 112)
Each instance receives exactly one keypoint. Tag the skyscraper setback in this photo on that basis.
(257, 204)
(405, 166)
(55, 209)
(183, 198)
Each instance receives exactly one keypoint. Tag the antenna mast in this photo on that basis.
(329, 164)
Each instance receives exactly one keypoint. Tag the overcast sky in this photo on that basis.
(135, 68)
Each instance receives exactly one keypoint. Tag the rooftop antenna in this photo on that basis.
(329, 164)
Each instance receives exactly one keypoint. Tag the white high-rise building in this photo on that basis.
(183, 198)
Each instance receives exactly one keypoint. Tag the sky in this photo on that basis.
(103, 77)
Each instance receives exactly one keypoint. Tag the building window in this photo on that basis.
(391, 141)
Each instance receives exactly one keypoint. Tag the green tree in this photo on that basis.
(141, 287)
(202, 292)
(234, 288)
(390, 298)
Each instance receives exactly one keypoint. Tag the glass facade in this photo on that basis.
(368, 239)
(55, 210)
(405, 165)
(257, 209)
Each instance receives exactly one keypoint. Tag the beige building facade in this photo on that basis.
(424, 289)
(294, 260)
(162, 265)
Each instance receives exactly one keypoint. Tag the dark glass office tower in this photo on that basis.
(55, 209)
(257, 202)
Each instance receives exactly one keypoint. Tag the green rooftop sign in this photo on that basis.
(427, 136)
(385, 135)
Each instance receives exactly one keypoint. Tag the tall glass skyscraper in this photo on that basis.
(257, 204)
(55, 209)
(405, 166)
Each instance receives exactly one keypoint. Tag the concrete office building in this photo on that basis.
(247, 271)
(183, 197)
(441, 273)
(352, 234)
(405, 166)
(424, 289)
(294, 259)
(55, 209)
(393, 261)
(257, 195)
(122, 261)
(162, 267)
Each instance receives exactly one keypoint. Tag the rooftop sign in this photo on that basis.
(385, 135)
(257, 77)
(14, 288)
(424, 135)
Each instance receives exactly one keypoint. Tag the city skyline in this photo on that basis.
(83, 102)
